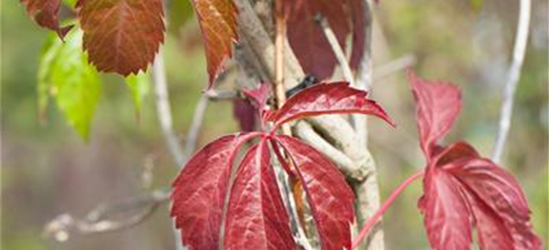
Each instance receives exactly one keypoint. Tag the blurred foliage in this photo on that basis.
(64, 74)
(140, 86)
(47, 170)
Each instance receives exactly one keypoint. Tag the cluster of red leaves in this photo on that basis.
(123, 36)
(462, 190)
(255, 216)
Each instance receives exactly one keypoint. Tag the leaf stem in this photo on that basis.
(374, 219)
(280, 90)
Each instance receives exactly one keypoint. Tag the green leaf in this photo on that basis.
(179, 13)
(70, 3)
(65, 75)
(139, 87)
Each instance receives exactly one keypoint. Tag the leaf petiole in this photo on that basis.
(373, 220)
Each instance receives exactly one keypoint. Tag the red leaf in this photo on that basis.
(217, 19)
(200, 189)
(327, 98)
(259, 96)
(358, 16)
(121, 36)
(438, 105)
(454, 152)
(461, 188)
(447, 216)
(245, 114)
(256, 216)
(329, 196)
(46, 14)
(308, 40)
(500, 207)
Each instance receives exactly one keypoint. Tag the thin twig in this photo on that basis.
(336, 48)
(393, 66)
(521, 40)
(165, 118)
(221, 95)
(97, 220)
(164, 110)
(196, 124)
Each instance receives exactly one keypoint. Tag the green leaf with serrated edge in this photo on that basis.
(66, 76)
(139, 87)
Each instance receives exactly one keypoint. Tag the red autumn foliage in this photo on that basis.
(121, 36)
(308, 40)
(46, 14)
(462, 190)
(217, 20)
(256, 217)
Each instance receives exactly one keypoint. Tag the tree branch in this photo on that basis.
(506, 113)
(164, 110)
(97, 221)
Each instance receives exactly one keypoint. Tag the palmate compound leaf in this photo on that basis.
(327, 98)
(308, 40)
(46, 14)
(329, 196)
(217, 20)
(121, 36)
(200, 189)
(461, 189)
(256, 215)
(65, 74)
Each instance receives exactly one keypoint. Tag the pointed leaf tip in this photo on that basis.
(437, 107)
(217, 20)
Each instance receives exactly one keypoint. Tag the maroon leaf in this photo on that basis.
(121, 36)
(327, 98)
(217, 19)
(447, 216)
(245, 114)
(46, 14)
(259, 96)
(329, 196)
(308, 40)
(500, 206)
(438, 105)
(256, 216)
(200, 189)
(358, 16)
(462, 189)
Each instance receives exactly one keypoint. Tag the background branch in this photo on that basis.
(164, 111)
(506, 113)
(98, 220)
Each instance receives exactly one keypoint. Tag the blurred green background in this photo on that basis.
(47, 169)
